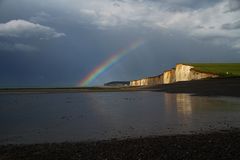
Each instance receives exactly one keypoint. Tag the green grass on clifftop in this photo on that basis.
(222, 69)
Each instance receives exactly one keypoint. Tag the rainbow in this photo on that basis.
(114, 58)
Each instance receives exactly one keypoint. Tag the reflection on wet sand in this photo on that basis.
(193, 111)
(182, 103)
(186, 104)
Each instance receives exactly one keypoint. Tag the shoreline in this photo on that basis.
(222, 144)
(206, 87)
(214, 144)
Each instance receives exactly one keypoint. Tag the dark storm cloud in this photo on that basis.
(187, 3)
(231, 26)
(234, 5)
(96, 29)
(174, 5)
(16, 47)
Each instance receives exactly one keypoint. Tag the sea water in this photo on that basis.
(75, 117)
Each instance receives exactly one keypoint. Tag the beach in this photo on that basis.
(216, 145)
(203, 115)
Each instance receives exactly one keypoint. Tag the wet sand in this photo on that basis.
(216, 145)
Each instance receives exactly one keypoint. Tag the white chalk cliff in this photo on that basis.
(182, 72)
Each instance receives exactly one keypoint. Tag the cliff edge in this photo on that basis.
(182, 72)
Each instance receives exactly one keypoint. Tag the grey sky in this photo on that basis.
(58, 42)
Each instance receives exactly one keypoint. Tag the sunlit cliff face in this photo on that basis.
(181, 72)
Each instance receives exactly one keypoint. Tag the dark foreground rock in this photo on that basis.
(217, 145)
(207, 87)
